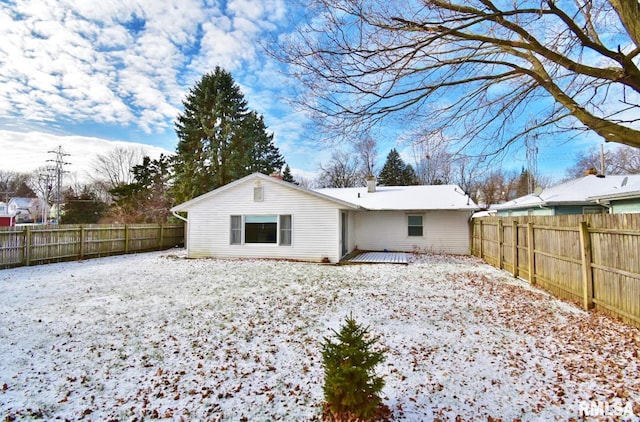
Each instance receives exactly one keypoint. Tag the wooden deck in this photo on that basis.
(380, 258)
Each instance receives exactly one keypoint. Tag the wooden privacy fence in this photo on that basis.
(590, 259)
(33, 245)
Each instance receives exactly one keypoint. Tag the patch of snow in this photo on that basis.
(159, 335)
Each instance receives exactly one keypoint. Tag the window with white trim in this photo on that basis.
(414, 225)
(285, 230)
(593, 210)
(262, 229)
(236, 230)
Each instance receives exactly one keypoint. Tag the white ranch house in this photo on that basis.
(261, 216)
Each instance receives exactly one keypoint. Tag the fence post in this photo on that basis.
(480, 237)
(531, 253)
(587, 273)
(500, 244)
(27, 246)
(161, 241)
(514, 239)
(126, 238)
(81, 252)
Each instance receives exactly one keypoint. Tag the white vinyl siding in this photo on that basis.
(444, 232)
(314, 224)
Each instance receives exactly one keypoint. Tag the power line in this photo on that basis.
(59, 171)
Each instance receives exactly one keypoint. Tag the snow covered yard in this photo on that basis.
(159, 336)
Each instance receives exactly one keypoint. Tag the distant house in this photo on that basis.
(5, 218)
(585, 195)
(623, 199)
(27, 210)
(260, 216)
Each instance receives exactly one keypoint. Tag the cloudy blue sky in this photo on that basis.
(88, 75)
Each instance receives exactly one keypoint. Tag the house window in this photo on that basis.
(260, 228)
(236, 229)
(285, 230)
(592, 210)
(415, 225)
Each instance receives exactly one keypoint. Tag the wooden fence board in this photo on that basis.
(557, 262)
(32, 245)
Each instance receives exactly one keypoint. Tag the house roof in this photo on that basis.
(439, 197)
(22, 202)
(580, 191)
(628, 189)
(186, 205)
(425, 197)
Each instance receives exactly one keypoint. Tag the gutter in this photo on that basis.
(178, 216)
(605, 204)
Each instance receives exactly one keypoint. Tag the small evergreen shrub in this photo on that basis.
(351, 388)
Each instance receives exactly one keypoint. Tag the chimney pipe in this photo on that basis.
(371, 184)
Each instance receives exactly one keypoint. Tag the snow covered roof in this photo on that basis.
(437, 197)
(573, 192)
(628, 189)
(430, 197)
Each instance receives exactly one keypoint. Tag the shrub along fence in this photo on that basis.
(590, 259)
(33, 245)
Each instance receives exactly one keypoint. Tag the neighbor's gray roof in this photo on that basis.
(574, 192)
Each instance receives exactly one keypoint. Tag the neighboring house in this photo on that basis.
(260, 216)
(623, 199)
(27, 210)
(578, 196)
(5, 218)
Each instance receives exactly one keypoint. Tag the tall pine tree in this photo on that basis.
(395, 172)
(287, 176)
(219, 139)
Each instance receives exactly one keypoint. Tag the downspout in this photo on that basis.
(186, 222)
(606, 205)
(178, 216)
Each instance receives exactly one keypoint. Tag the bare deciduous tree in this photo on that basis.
(622, 160)
(14, 184)
(366, 149)
(486, 71)
(42, 181)
(433, 161)
(343, 171)
(113, 168)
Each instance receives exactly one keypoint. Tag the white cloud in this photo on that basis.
(27, 151)
(130, 63)
(55, 53)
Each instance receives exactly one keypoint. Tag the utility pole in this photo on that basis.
(532, 162)
(59, 170)
(47, 179)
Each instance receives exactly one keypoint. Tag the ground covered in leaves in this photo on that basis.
(160, 336)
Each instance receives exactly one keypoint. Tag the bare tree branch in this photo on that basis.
(484, 72)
